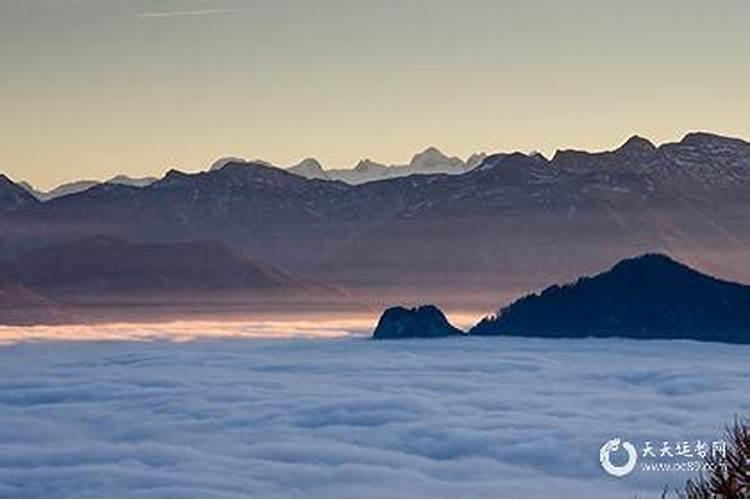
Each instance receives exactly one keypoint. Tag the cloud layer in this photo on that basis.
(352, 417)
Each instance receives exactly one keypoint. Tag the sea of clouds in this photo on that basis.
(351, 417)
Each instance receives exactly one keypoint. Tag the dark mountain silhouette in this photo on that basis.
(646, 297)
(110, 264)
(57, 281)
(101, 265)
(419, 322)
(515, 222)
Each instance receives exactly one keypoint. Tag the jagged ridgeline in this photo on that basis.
(510, 223)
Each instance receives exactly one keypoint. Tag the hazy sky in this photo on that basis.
(90, 88)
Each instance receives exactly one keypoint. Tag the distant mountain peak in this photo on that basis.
(222, 162)
(309, 168)
(637, 145)
(433, 157)
(173, 173)
(367, 164)
(431, 151)
(310, 162)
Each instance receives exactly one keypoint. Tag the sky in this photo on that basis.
(92, 88)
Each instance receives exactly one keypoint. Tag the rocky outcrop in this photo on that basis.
(419, 322)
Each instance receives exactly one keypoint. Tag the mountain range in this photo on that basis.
(509, 225)
(429, 161)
